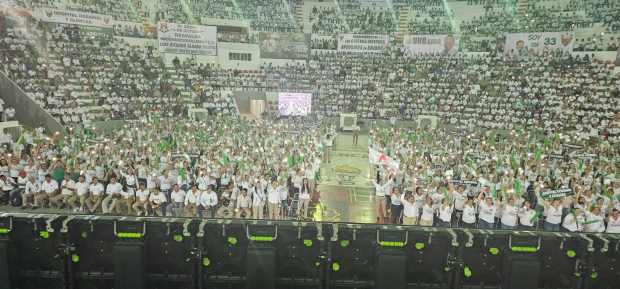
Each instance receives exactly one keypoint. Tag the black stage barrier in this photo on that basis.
(99, 252)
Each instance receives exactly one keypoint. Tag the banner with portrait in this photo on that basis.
(618, 55)
(186, 39)
(363, 43)
(287, 45)
(532, 44)
(447, 45)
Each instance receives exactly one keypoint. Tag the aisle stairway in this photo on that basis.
(521, 8)
(402, 23)
(299, 10)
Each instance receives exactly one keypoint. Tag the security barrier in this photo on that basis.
(78, 251)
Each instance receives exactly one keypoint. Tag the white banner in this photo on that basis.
(375, 3)
(528, 44)
(378, 158)
(363, 43)
(75, 17)
(187, 39)
(348, 121)
(447, 45)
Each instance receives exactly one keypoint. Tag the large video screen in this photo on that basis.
(295, 103)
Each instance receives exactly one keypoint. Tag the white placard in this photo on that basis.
(444, 44)
(75, 17)
(363, 43)
(186, 38)
(348, 121)
(425, 121)
(375, 3)
(528, 44)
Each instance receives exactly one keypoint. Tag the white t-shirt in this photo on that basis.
(469, 215)
(613, 226)
(70, 185)
(554, 216)
(573, 226)
(142, 195)
(487, 213)
(427, 213)
(526, 216)
(97, 189)
(156, 199)
(509, 216)
(445, 214)
(178, 197)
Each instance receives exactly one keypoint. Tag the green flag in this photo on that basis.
(111, 167)
(19, 140)
(534, 218)
(517, 186)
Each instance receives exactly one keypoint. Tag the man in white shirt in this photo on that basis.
(227, 208)
(113, 193)
(177, 200)
(258, 201)
(67, 191)
(33, 188)
(49, 189)
(142, 198)
(208, 202)
(192, 200)
(328, 149)
(10, 113)
(273, 200)
(6, 140)
(356, 133)
(157, 202)
(243, 204)
(81, 188)
(95, 196)
(381, 205)
(127, 197)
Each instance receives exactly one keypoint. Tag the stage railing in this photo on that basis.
(80, 251)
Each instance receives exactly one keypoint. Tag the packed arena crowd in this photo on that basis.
(230, 168)
(529, 144)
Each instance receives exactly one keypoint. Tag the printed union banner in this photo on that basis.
(75, 17)
(84, 30)
(529, 44)
(375, 3)
(284, 45)
(186, 38)
(447, 45)
(363, 43)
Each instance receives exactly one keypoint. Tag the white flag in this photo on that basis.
(378, 158)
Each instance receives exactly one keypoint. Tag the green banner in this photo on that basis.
(84, 30)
